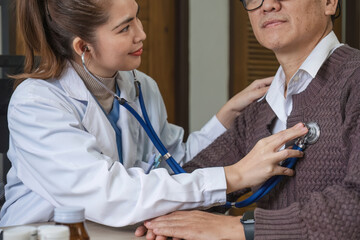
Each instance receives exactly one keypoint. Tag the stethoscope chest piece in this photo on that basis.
(313, 134)
(310, 138)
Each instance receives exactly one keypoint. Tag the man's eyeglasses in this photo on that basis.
(250, 5)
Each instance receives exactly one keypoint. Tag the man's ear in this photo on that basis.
(80, 46)
(331, 6)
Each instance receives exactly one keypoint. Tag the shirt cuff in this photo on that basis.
(213, 128)
(214, 189)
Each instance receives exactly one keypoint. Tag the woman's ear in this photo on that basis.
(80, 46)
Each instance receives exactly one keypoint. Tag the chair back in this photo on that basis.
(9, 64)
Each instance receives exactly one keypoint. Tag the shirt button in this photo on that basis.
(296, 78)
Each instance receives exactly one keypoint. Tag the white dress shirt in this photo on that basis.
(282, 105)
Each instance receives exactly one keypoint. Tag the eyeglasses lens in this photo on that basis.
(252, 4)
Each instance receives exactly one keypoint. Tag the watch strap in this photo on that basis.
(248, 223)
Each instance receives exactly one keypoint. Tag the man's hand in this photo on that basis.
(194, 225)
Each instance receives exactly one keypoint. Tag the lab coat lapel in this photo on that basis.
(94, 119)
(127, 123)
(97, 124)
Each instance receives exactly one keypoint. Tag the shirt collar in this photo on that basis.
(275, 95)
(321, 52)
(311, 65)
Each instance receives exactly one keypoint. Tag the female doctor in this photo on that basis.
(64, 149)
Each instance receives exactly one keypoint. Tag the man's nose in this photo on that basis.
(271, 5)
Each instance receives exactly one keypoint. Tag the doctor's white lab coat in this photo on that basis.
(63, 152)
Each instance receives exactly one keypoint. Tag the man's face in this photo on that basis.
(287, 25)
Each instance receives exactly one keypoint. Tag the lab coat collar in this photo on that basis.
(76, 89)
(126, 84)
(73, 84)
(94, 117)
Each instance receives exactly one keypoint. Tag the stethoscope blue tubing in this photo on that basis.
(177, 169)
(147, 126)
(267, 186)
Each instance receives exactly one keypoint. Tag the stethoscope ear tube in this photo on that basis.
(169, 159)
(159, 146)
(145, 124)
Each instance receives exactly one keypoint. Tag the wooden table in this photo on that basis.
(101, 232)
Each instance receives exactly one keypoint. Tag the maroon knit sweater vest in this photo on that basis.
(322, 201)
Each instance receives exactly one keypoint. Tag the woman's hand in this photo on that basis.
(142, 231)
(262, 162)
(233, 107)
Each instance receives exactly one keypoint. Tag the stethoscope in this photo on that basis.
(145, 123)
(301, 143)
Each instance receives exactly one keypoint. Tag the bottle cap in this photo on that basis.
(54, 233)
(41, 228)
(69, 214)
(19, 233)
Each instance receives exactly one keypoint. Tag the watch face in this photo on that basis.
(248, 218)
(249, 221)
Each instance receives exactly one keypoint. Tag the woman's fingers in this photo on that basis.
(281, 138)
(150, 235)
(283, 171)
(257, 88)
(140, 231)
(262, 162)
(258, 93)
(261, 83)
(286, 153)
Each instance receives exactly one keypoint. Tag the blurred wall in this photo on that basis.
(209, 59)
(0, 31)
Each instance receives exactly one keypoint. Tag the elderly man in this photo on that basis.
(318, 81)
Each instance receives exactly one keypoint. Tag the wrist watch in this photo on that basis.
(248, 221)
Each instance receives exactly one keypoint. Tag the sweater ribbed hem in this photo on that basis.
(281, 224)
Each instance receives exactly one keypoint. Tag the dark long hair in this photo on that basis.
(48, 28)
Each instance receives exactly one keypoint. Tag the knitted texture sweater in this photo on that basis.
(322, 200)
